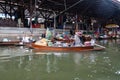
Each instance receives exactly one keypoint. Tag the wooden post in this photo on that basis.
(54, 20)
(31, 30)
(76, 24)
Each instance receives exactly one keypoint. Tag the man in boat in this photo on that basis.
(48, 34)
(26, 38)
(77, 40)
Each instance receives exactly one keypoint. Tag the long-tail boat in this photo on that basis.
(65, 49)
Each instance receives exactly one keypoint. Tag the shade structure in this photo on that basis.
(112, 26)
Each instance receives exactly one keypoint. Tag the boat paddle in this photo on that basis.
(99, 45)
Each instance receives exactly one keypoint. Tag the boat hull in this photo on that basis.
(9, 43)
(61, 49)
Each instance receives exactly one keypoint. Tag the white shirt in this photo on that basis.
(77, 41)
(25, 39)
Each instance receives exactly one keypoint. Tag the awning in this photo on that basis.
(112, 26)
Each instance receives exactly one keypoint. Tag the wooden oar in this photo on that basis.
(99, 45)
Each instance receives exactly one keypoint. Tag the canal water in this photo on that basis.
(21, 63)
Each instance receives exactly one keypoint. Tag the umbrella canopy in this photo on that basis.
(112, 26)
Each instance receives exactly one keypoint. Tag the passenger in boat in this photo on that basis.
(81, 37)
(77, 40)
(48, 34)
(25, 39)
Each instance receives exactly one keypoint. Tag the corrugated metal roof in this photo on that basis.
(95, 8)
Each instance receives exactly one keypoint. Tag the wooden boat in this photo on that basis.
(64, 49)
(9, 43)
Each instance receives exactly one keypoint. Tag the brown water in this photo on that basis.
(18, 63)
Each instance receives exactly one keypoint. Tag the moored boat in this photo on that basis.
(9, 43)
(64, 49)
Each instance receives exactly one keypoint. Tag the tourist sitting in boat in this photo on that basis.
(77, 40)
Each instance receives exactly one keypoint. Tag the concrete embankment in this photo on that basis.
(13, 32)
